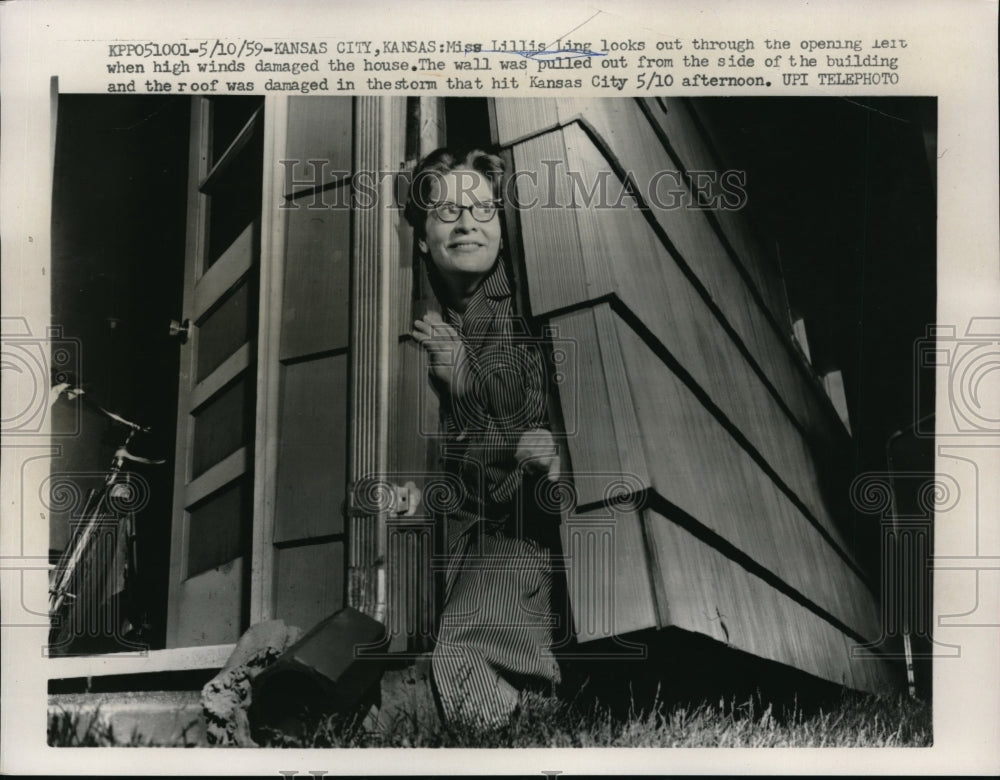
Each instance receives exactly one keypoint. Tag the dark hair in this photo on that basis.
(437, 164)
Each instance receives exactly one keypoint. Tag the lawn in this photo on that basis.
(855, 721)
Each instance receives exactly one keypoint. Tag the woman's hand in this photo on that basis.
(537, 453)
(445, 352)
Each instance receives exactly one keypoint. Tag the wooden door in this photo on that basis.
(213, 487)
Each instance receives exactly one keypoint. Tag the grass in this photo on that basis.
(79, 729)
(856, 721)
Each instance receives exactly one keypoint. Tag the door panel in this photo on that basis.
(237, 174)
(220, 426)
(231, 266)
(215, 527)
(226, 329)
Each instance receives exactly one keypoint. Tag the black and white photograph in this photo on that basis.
(457, 421)
(563, 420)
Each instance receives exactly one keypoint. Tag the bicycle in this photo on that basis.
(101, 549)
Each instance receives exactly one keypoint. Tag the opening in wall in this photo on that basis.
(118, 215)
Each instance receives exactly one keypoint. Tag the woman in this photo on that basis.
(496, 630)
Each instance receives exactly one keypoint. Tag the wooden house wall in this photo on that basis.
(684, 383)
(307, 367)
(684, 390)
(332, 252)
(313, 363)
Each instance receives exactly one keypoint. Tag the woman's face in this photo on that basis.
(464, 248)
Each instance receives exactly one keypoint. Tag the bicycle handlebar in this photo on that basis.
(74, 391)
(119, 419)
(124, 454)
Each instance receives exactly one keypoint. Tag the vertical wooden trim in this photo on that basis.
(391, 154)
(272, 268)
(379, 128)
(391, 324)
(432, 125)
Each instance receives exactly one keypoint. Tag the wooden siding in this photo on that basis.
(611, 595)
(312, 449)
(709, 593)
(310, 583)
(685, 389)
(317, 279)
(312, 362)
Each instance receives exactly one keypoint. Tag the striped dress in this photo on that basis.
(495, 632)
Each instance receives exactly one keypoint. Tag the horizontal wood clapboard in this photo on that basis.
(684, 384)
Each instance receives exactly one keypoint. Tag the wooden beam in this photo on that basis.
(216, 478)
(220, 377)
(179, 659)
(272, 270)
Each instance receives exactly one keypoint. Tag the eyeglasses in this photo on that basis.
(450, 212)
